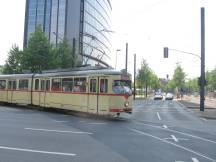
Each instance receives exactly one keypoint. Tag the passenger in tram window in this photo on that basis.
(76, 89)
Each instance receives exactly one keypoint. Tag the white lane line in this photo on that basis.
(195, 160)
(176, 145)
(174, 138)
(164, 126)
(186, 134)
(158, 115)
(36, 151)
(97, 123)
(203, 119)
(57, 131)
(60, 121)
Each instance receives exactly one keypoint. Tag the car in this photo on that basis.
(169, 96)
(158, 96)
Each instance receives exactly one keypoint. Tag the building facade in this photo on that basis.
(85, 24)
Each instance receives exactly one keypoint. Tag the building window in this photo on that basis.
(23, 84)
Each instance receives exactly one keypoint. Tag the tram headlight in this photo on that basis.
(126, 104)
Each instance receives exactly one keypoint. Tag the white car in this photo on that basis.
(158, 96)
(169, 96)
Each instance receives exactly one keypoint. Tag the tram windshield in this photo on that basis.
(122, 87)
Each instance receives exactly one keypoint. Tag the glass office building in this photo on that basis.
(86, 24)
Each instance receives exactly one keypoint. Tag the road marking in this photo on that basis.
(168, 142)
(158, 115)
(164, 126)
(57, 131)
(36, 151)
(97, 123)
(195, 160)
(203, 119)
(174, 138)
(186, 134)
(60, 121)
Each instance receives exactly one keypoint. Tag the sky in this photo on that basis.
(147, 26)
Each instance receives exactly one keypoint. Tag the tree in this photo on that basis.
(179, 77)
(192, 85)
(37, 56)
(13, 62)
(146, 78)
(64, 57)
(211, 79)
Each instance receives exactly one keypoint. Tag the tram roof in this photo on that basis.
(81, 73)
(57, 73)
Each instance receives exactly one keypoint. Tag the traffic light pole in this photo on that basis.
(202, 77)
(202, 81)
(134, 76)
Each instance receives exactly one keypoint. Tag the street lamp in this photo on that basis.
(118, 50)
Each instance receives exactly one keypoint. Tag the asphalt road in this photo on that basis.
(157, 131)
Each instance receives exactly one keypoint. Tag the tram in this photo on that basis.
(100, 91)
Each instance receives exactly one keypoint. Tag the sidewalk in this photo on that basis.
(210, 103)
(194, 103)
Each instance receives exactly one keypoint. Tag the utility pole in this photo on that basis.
(202, 77)
(134, 76)
(126, 60)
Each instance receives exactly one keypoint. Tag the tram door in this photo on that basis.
(45, 86)
(11, 89)
(93, 95)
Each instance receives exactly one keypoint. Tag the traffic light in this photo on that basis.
(166, 49)
(199, 81)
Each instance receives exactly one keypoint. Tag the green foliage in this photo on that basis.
(144, 74)
(37, 55)
(64, 57)
(13, 63)
(146, 77)
(211, 79)
(1, 69)
(179, 77)
(40, 55)
(192, 85)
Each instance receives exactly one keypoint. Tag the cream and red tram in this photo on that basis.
(98, 91)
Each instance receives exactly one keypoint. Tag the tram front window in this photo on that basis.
(121, 87)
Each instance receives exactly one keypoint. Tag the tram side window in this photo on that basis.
(36, 84)
(56, 84)
(67, 84)
(23, 84)
(103, 85)
(47, 85)
(12, 85)
(2, 84)
(79, 85)
(93, 85)
(42, 85)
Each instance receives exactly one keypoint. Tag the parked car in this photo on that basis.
(158, 96)
(169, 96)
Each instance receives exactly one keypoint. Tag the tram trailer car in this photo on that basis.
(102, 92)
